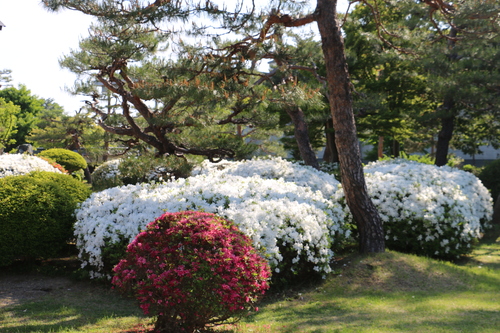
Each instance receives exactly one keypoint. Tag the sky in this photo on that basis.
(34, 39)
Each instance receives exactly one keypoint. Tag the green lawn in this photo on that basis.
(389, 292)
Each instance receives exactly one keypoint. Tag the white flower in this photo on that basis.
(442, 199)
(21, 164)
(268, 209)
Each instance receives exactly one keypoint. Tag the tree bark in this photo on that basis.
(444, 138)
(371, 234)
(331, 154)
(395, 148)
(380, 148)
(302, 136)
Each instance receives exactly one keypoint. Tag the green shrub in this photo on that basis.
(472, 169)
(70, 160)
(490, 176)
(139, 169)
(37, 214)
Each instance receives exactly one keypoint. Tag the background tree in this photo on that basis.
(55, 129)
(174, 98)
(115, 44)
(456, 47)
(298, 73)
(392, 96)
(8, 119)
(30, 106)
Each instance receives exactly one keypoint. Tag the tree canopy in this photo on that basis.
(29, 107)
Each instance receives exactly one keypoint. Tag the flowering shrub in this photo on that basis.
(106, 175)
(274, 168)
(191, 270)
(294, 225)
(21, 164)
(428, 210)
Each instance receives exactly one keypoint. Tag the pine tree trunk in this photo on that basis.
(380, 148)
(331, 154)
(302, 137)
(371, 235)
(444, 138)
(395, 148)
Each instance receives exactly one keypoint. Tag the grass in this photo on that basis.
(388, 292)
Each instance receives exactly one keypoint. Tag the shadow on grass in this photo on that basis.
(393, 292)
(64, 311)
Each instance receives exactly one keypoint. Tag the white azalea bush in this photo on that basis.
(107, 175)
(428, 210)
(22, 164)
(294, 224)
(274, 168)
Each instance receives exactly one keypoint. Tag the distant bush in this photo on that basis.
(192, 271)
(37, 214)
(139, 169)
(70, 160)
(472, 169)
(21, 164)
(490, 176)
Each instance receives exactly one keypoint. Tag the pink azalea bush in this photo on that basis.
(192, 270)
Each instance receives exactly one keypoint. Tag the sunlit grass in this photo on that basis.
(392, 292)
(388, 292)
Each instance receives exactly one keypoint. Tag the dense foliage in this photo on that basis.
(20, 164)
(37, 214)
(8, 121)
(490, 176)
(192, 270)
(139, 169)
(29, 108)
(70, 160)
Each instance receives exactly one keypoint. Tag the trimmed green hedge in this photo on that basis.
(70, 160)
(37, 214)
(490, 177)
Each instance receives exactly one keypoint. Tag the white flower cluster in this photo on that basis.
(272, 212)
(108, 169)
(275, 168)
(452, 205)
(21, 164)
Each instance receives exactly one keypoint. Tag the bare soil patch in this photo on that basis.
(18, 286)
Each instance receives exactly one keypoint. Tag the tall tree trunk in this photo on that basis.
(444, 138)
(371, 234)
(380, 148)
(395, 148)
(331, 154)
(448, 119)
(302, 136)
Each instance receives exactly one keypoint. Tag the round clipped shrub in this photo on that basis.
(490, 176)
(21, 164)
(292, 218)
(106, 175)
(139, 169)
(37, 214)
(70, 160)
(428, 210)
(192, 270)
